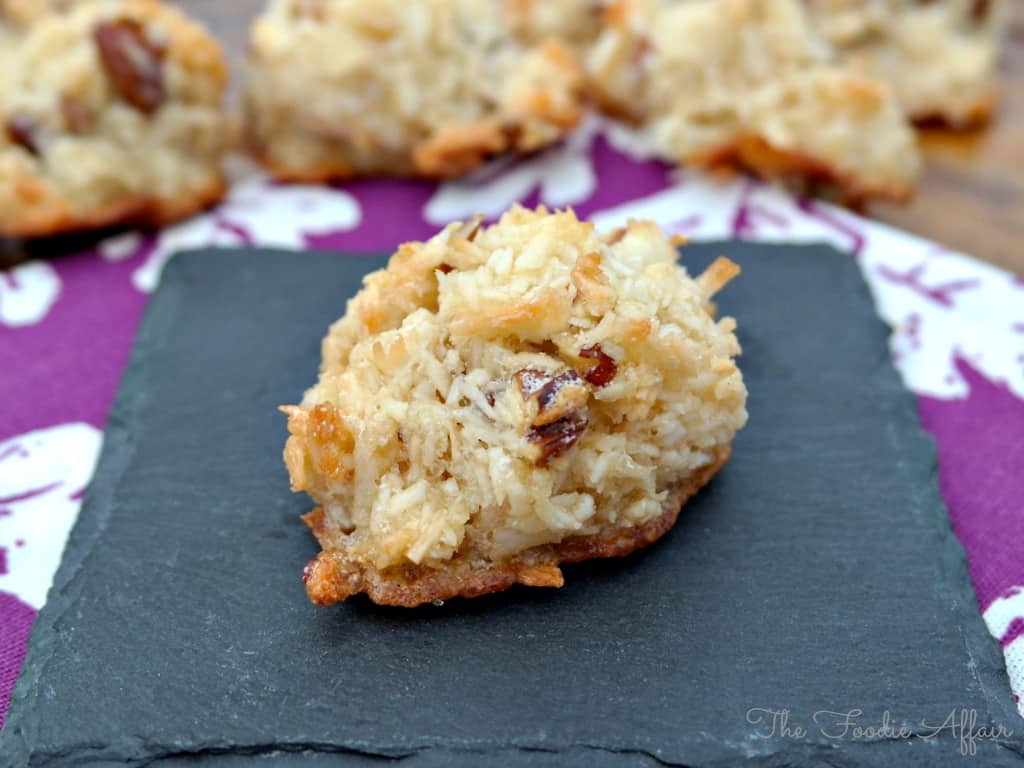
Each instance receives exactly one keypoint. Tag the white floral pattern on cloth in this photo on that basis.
(1005, 620)
(42, 477)
(958, 332)
(27, 292)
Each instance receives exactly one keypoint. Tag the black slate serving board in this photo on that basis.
(817, 573)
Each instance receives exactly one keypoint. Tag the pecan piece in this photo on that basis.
(561, 410)
(530, 381)
(133, 62)
(604, 371)
(557, 395)
(564, 394)
(557, 437)
(24, 131)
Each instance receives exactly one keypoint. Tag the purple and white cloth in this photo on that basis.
(66, 327)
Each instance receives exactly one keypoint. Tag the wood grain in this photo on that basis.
(971, 196)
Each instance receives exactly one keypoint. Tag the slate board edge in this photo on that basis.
(957, 584)
(15, 737)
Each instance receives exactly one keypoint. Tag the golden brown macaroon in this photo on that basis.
(941, 57)
(748, 83)
(110, 113)
(503, 399)
(432, 88)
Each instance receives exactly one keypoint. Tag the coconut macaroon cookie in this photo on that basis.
(344, 88)
(502, 399)
(749, 83)
(110, 113)
(941, 57)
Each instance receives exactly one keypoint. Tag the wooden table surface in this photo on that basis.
(971, 196)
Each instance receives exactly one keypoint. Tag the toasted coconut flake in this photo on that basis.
(718, 275)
